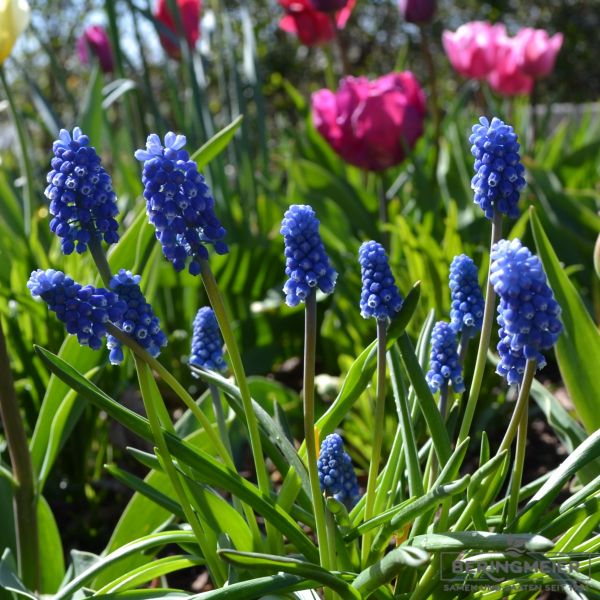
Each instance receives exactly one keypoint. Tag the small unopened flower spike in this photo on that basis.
(207, 344)
(82, 202)
(467, 300)
(179, 203)
(444, 363)
(380, 297)
(528, 314)
(307, 264)
(336, 473)
(498, 179)
(85, 310)
(138, 321)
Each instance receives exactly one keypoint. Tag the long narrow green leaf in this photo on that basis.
(259, 587)
(578, 346)
(293, 566)
(216, 144)
(211, 471)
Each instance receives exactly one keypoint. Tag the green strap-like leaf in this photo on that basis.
(578, 346)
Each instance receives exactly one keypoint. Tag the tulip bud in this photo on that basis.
(94, 39)
(417, 11)
(14, 18)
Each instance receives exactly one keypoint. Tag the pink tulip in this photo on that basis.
(506, 77)
(537, 51)
(371, 124)
(189, 15)
(472, 48)
(95, 39)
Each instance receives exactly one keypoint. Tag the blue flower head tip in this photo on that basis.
(498, 179)
(307, 264)
(444, 363)
(85, 310)
(207, 344)
(379, 297)
(528, 314)
(179, 203)
(139, 320)
(336, 473)
(467, 300)
(82, 202)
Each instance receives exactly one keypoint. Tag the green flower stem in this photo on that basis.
(463, 345)
(218, 305)
(29, 198)
(25, 494)
(99, 257)
(310, 341)
(177, 388)
(520, 406)
(384, 216)
(435, 105)
(344, 62)
(484, 339)
(443, 405)
(378, 426)
(151, 401)
(517, 474)
(330, 78)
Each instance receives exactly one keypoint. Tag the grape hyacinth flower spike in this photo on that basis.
(85, 310)
(528, 313)
(82, 202)
(336, 473)
(179, 203)
(380, 297)
(444, 364)
(498, 179)
(138, 321)
(466, 313)
(207, 344)
(307, 264)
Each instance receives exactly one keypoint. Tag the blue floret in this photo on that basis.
(82, 202)
(139, 320)
(379, 297)
(307, 263)
(468, 305)
(498, 179)
(336, 474)
(179, 203)
(444, 363)
(528, 314)
(207, 344)
(85, 310)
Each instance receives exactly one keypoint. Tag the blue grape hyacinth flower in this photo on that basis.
(138, 320)
(528, 313)
(85, 310)
(82, 202)
(498, 179)
(444, 363)
(207, 343)
(179, 203)
(336, 473)
(466, 313)
(307, 264)
(379, 297)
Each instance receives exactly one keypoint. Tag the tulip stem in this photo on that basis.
(437, 117)
(341, 46)
(25, 495)
(484, 339)
(29, 196)
(383, 213)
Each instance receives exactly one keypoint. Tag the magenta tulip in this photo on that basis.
(537, 51)
(472, 48)
(371, 124)
(94, 39)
